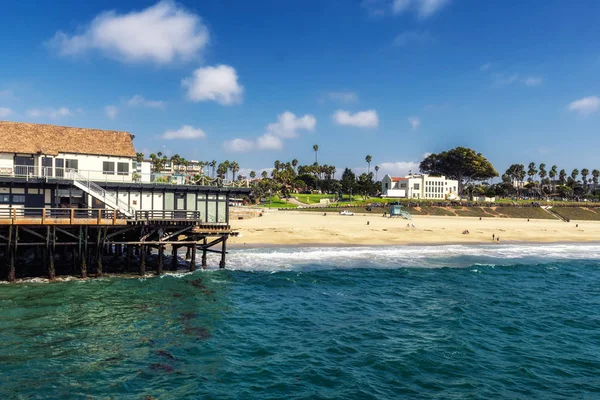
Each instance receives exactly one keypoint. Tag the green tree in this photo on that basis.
(595, 175)
(552, 175)
(531, 172)
(294, 163)
(516, 174)
(376, 171)
(316, 150)
(264, 174)
(158, 161)
(348, 181)
(574, 174)
(213, 165)
(252, 174)
(562, 177)
(234, 167)
(364, 185)
(542, 173)
(461, 163)
(368, 159)
(584, 174)
(139, 157)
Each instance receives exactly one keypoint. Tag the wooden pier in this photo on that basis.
(47, 241)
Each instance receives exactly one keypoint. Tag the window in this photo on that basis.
(18, 198)
(60, 167)
(123, 168)
(416, 187)
(73, 164)
(5, 198)
(108, 168)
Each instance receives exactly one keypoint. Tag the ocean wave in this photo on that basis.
(434, 256)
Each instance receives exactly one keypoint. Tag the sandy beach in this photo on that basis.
(308, 228)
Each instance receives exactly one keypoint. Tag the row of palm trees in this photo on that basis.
(180, 164)
(545, 180)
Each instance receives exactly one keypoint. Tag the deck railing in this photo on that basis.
(34, 171)
(74, 214)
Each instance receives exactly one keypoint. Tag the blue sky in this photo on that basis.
(258, 81)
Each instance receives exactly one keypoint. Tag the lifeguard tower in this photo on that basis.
(396, 211)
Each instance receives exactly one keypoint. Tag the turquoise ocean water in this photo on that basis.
(440, 322)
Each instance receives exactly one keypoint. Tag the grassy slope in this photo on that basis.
(578, 213)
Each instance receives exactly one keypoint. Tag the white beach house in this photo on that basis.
(419, 187)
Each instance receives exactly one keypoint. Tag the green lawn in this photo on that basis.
(578, 213)
(276, 202)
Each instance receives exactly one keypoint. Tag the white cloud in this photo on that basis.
(218, 84)
(533, 81)
(505, 80)
(361, 119)
(586, 105)
(5, 112)
(399, 168)
(269, 142)
(111, 111)
(423, 8)
(53, 113)
(426, 8)
(410, 37)
(238, 145)
(288, 125)
(343, 97)
(140, 101)
(162, 33)
(414, 122)
(185, 132)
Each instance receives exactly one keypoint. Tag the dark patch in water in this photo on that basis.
(187, 316)
(162, 367)
(198, 283)
(166, 354)
(177, 295)
(199, 332)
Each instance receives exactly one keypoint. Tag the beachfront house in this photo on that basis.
(421, 186)
(53, 167)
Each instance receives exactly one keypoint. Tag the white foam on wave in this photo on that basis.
(298, 258)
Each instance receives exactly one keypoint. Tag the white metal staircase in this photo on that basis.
(97, 192)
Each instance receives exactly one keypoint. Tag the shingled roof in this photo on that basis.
(21, 137)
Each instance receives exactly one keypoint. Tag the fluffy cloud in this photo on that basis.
(423, 8)
(140, 101)
(185, 132)
(269, 142)
(53, 113)
(288, 125)
(162, 33)
(5, 112)
(218, 84)
(111, 111)
(399, 168)
(586, 105)
(413, 37)
(414, 122)
(361, 119)
(238, 145)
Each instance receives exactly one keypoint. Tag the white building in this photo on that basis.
(419, 187)
(37, 150)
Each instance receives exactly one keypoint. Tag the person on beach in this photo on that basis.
(493, 236)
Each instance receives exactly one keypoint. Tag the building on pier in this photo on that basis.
(77, 189)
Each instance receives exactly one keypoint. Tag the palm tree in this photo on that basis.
(368, 159)
(562, 176)
(139, 157)
(595, 175)
(234, 167)
(584, 174)
(574, 174)
(376, 171)
(264, 174)
(552, 175)
(277, 164)
(294, 163)
(316, 149)
(213, 165)
(252, 174)
(531, 171)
